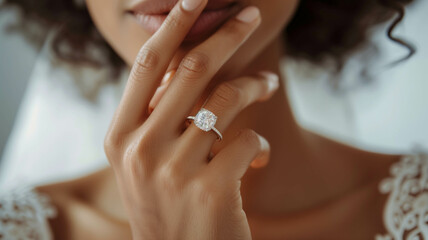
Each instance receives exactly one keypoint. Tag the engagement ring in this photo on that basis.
(205, 120)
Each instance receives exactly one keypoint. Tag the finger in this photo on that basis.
(200, 65)
(226, 102)
(151, 63)
(233, 161)
(161, 90)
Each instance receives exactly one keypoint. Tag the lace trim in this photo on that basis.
(24, 214)
(406, 211)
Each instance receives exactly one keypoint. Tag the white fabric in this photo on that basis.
(24, 215)
(58, 134)
(406, 210)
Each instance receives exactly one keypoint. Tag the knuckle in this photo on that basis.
(131, 152)
(138, 162)
(206, 193)
(195, 64)
(169, 177)
(169, 171)
(142, 145)
(250, 138)
(147, 60)
(131, 161)
(145, 141)
(228, 95)
(113, 143)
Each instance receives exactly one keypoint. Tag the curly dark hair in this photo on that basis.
(320, 29)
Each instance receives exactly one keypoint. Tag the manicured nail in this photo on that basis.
(264, 142)
(263, 158)
(168, 76)
(190, 5)
(273, 80)
(248, 15)
(258, 163)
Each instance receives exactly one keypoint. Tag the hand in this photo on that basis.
(168, 186)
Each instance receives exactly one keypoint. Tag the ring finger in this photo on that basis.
(226, 101)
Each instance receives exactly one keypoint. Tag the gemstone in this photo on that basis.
(205, 120)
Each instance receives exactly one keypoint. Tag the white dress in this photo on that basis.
(24, 213)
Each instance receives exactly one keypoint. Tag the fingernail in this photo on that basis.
(264, 142)
(168, 76)
(248, 15)
(258, 163)
(273, 80)
(263, 158)
(190, 5)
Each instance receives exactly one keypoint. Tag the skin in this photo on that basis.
(271, 187)
(126, 36)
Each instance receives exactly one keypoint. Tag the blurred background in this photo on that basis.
(45, 124)
(18, 55)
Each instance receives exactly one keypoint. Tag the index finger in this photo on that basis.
(152, 61)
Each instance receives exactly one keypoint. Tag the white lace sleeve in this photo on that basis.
(406, 210)
(24, 215)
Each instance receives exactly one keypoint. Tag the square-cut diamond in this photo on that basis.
(205, 120)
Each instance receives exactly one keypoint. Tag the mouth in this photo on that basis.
(151, 17)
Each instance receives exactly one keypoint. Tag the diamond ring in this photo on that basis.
(205, 120)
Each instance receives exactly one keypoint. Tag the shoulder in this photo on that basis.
(39, 212)
(24, 214)
(405, 214)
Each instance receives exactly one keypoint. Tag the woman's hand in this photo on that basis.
(170, 189)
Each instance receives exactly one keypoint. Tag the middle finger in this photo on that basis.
(151, 63)
(199, 66)
(226, 102)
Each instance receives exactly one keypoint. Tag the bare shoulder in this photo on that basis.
(73, 186)
(68, 198)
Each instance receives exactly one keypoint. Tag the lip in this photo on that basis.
(157, 7)
(151, 14)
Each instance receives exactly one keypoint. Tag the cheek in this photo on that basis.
(118, 27)
(126, 37)
(276, 14)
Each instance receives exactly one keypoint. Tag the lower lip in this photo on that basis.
(207, 22)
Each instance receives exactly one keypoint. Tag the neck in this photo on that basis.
(263, 190)
(305, 169)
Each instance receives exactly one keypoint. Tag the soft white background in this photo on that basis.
(16, 64)
(389, 114)
(57, 134)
